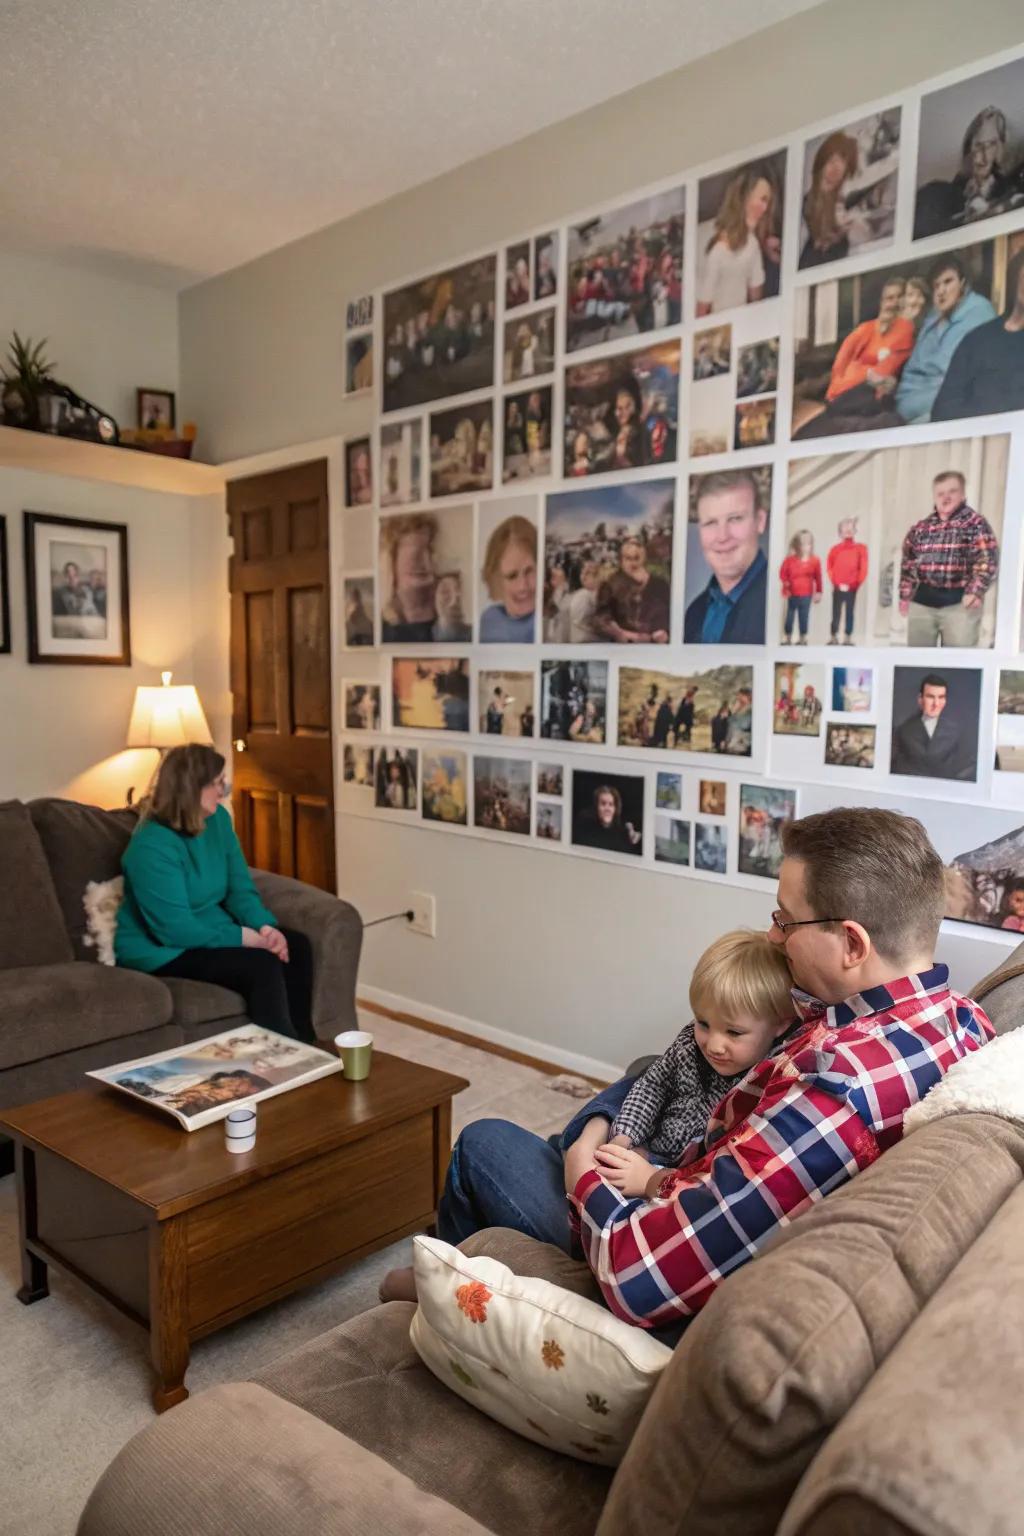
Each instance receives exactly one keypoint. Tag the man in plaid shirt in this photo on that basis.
(949, 561)
(860, 902)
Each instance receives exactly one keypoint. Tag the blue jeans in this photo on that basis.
(798, 608)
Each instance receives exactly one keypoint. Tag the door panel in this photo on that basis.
(281, 671)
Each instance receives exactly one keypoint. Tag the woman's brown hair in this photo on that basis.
(181, 779)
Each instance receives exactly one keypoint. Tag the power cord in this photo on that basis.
(409, 914)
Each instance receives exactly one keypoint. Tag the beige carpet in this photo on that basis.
(74, 1372)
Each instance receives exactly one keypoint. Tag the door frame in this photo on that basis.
(332, 450)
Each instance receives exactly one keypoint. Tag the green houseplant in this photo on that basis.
(26, 374)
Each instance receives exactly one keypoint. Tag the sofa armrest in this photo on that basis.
(538, 1261)
(240, 1461)
(335, 930)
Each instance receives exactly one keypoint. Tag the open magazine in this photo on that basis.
(203, 1082)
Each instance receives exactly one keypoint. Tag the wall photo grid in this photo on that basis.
(708, 502)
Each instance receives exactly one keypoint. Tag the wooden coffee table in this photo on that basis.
(185, 1237)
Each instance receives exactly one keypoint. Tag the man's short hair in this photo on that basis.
(726, 480)
(933, 680)
(950, 474)
(947, 263)
(876, 868)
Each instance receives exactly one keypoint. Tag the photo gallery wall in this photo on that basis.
(702, 511)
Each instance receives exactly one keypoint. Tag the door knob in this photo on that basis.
(239, 745)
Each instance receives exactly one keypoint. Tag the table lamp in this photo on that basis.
(166, 717)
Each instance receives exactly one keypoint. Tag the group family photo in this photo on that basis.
(708, 711)
(608, 565)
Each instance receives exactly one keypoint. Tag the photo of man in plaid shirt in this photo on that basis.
(949, 561)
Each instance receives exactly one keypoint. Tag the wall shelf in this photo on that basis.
(50, 455)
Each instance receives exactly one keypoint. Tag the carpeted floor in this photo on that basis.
(75, 1373)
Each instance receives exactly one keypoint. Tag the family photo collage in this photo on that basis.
(702, 511)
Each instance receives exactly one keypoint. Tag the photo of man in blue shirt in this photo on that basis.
(956, 311)
(731, 521)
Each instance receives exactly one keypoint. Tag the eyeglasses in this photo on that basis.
(800, 922)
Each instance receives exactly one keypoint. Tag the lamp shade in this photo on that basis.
(167, 717)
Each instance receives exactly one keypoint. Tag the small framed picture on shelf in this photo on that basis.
(155, 409)
(5, 602)
(76, 591)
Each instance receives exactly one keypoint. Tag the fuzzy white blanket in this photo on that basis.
(989, 1081)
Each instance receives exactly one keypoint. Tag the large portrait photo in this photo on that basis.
(608, 564)
(727, 557)
(935, 722)
(622, 412)
(608, 812)
(425, 577)
(739, 234)
(937, 338)
(508, 571)
(970, 158)
(849, 189)
(76, 588)
(708, 711)
(439, 335)
(895, 546)
(625, 271)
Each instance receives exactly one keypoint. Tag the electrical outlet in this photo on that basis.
(424, 914)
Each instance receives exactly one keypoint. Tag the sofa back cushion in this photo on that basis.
(82, 843)
(933, 1443)
(32, 930)
(788, 1343)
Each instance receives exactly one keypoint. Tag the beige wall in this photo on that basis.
(589, 961)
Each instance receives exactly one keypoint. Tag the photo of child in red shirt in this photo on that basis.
(800, 574)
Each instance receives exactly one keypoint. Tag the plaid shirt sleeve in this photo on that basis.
(984, 557)
(646, 1100)
(657, 1260)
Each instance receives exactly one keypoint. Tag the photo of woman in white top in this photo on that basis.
(732, 265)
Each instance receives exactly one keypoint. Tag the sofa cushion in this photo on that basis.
(32, 930)
(933, 1442)
(241, 1462)
(81, 843)
(46, 1010)
(196, 1003)
(366, 1380)
(787, 1344)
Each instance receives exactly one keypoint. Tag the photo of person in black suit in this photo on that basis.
(938, 738)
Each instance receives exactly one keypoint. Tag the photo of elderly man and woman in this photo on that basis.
(529, 348)
(439, 335)
(401, 463)
(726, 557)
(896, 546)
(970, 158)
(849, 189)
(608, 565)
(625, 271)
(505, 704)
(425, 576)
(394, 778)
(508, 591)
(733, 394)
(501, 795)
(573, 700)
(739, 234)
(608, 812)
(526, 439)
(798, 701)
(764, 811)
(622, 412)
(700, 712)
(938, 338)
(430, 694)
(462, 449)
(445, 788)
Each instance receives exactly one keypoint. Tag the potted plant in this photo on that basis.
(25, 378)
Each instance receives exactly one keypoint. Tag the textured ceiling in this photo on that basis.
(171, 139)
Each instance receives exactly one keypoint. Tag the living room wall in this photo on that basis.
(589, 962)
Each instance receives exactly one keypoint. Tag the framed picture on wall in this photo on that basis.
(5, 603)
(358, 473)
(76, 591)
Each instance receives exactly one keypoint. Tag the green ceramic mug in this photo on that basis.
(355, 1048)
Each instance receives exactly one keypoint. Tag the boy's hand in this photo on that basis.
(627, 1169)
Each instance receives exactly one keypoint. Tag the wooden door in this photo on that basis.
(281, 672)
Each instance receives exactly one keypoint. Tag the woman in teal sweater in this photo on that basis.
(190, 908)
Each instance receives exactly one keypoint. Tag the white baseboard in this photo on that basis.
(586, 1066)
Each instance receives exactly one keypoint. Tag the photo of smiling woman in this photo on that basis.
(739, 241)
(509, 575)
(608, 812)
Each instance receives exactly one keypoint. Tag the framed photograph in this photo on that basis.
(573, 700)
(671, 840)
(360, 611)
(439, 335)
(739, 234)
(669, 792)
(970, 153)
(734, 390)
(76, 590)
(799, 691)
(445, 788)
(935, 722)
(985, 882)
(462, 449)
(400, 463)
(518, 275)
(426, 580)
(726, 551)
(545, 266)
(550, 779)
(395, 777)
(622, 412)
(359, 364)
(358, 473)
(1009, 721)
(608, 565)
(529, 347)
(359, 313)
(5, 602)
(505, 703)
(853, 690)
(608, 812)
(154, 408)
(849, 189)
(849, 746)
(711, 849)
(549, 823)
(713, 795)
(501, 794)
(429, 694)
(362, 703)
(710, 711)
(764, 811)
(625, 271)
(507, 593)
(526, 443)
(357, 766)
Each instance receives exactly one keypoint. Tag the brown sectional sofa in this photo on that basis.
(62, 1013)
(860, 1378)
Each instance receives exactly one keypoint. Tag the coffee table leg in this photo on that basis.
(34, 1286)
(168, 1311)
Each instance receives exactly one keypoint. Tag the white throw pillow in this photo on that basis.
(101, 901)
(555, 1367)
